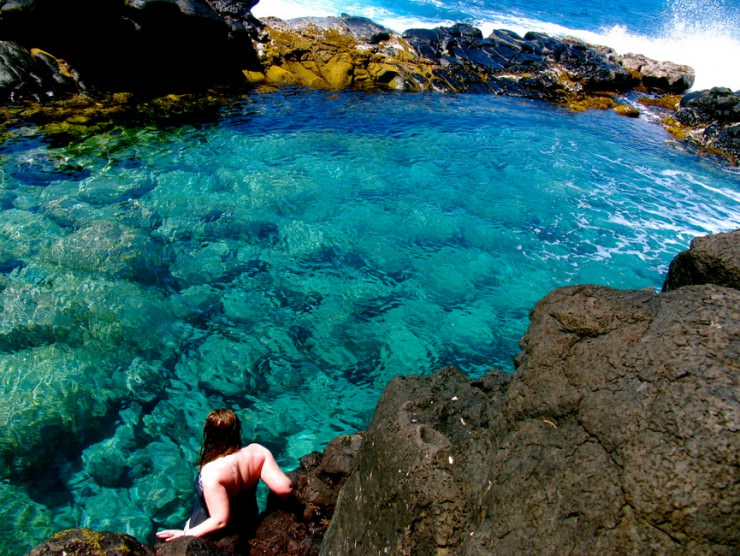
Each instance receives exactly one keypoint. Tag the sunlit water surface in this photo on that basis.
(287, 261)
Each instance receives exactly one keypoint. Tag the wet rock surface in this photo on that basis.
(85, 542)
(712, 120)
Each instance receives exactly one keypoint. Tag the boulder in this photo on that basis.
(711, 259)
(616, 434)
(665, 77)
(296, 525)
(719, 105)
(139, 45)
(709, 120)
(33, 74)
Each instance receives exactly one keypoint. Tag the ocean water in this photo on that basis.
(290, 257)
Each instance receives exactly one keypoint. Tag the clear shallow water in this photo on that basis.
(287, 261)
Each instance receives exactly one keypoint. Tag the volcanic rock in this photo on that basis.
(618, 433)
(709, 260)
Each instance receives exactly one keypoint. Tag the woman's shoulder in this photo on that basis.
(215, 469)
(253, 450)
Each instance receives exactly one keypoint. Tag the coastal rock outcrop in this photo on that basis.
(136, 45)
(34, 73)
(709, 260)
(353, 52)
(190, 46)
(617, 433)
(660, 76)
(710, 120)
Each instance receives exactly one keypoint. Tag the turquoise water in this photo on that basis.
(287, 261)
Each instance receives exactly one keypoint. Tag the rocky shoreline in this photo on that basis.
(184, 59)
(617, 433)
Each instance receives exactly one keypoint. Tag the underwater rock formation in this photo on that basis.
(618, 432)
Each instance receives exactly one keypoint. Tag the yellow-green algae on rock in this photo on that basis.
(319, 57)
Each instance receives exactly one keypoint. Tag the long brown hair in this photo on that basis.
(222, 435)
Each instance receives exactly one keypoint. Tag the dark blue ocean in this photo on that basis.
(289, 258)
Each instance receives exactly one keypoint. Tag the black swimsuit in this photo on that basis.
(200, 510)
(243, 507)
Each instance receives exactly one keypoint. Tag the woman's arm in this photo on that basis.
(271, 474)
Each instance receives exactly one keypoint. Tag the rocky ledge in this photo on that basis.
(618, 433)
(46, 55)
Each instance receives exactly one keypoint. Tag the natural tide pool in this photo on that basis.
(289, 259)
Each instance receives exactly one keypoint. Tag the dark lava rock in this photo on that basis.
(711, 259)
(33, 75)
(296, 525)
(714, 117)
(139, 45)
(718, 105)
(618, 433)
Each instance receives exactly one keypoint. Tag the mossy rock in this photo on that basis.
(86, 542)
(303, 75)
(339, 72)
(627, 110)
(382, 73)
(592, 102)
(668, 102)
(277, 75)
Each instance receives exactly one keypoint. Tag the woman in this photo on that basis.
(226, 485)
